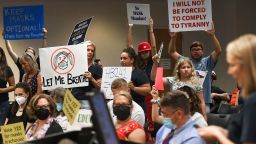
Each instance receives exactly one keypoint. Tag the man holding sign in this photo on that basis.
(201, 63)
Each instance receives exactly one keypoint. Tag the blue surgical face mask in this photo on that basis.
(167, 122)
(59, 106)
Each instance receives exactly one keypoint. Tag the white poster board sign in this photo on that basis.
(110, 74)
(82, 119)
(63, 66)
(189, 15)
(138, 13)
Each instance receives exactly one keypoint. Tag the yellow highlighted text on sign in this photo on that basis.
(71, 106)
(13, 133)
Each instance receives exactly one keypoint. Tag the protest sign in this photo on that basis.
(23, 22)
(110, 74)
(79, 32)
(70, 106)
(189, 15)
(13, 133)
(82, 119)
(201, 76)
(159, 84)
(63, 66)
(138, 13)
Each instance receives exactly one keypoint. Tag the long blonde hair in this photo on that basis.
(244, 50)
(193, 77)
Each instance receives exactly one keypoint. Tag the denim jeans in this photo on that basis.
(4, 108)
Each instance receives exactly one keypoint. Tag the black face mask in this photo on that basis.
(122, 112)
(42, 113)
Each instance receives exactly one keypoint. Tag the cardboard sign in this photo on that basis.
(70, 106)
(23, 22)
(63, 66)
(159, 84)
(79, 32)
(138, 13)
(110, 74)
(201, 76)
(13, 133)
(189, 15)
(82, 119)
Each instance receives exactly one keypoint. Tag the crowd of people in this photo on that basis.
(140, 112)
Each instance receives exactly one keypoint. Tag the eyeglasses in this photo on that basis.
(166, 115)
(196, 49)
(129, 105)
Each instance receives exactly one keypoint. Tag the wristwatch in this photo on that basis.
(154, 101)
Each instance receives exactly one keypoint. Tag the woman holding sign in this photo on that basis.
(42, 108)
(139, 84)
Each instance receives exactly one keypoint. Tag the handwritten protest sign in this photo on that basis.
(13, 133)
(138, 13)
(70, 106)
(23, 22)
(79, 32)
(63, 66)
(110, 74)
(189, 15)
(82, 119)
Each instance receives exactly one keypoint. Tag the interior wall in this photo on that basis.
(109, 27)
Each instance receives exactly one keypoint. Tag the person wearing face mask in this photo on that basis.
(42, 108)
(18, 112)
(58, 97)
(126, 128)
(178, 127)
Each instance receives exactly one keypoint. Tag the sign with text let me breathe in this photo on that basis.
(13, 133)
(189, 15)
(63, 66)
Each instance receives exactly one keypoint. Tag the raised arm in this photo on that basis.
(154, 67)
(152, 36)
(217, 47)
(129, 36)
(44, 30)
(172, 50)
(13, 55)
(155, 107)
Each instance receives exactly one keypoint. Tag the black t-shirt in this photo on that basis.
(3, 84)
(243, 127)
(79, 92)
(139, 78)
(12, 118)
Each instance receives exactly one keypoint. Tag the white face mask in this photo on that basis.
(20, 100)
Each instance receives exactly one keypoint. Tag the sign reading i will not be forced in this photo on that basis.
(138, 13)
(63, 66)
(189, 15)
(23, 22)
(79, 32)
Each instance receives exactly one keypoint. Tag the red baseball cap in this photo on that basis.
(144, 46)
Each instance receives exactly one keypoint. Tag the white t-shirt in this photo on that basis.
(137, 113)
(199, 119)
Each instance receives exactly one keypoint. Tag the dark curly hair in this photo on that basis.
(195, 103)
(132, 55)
